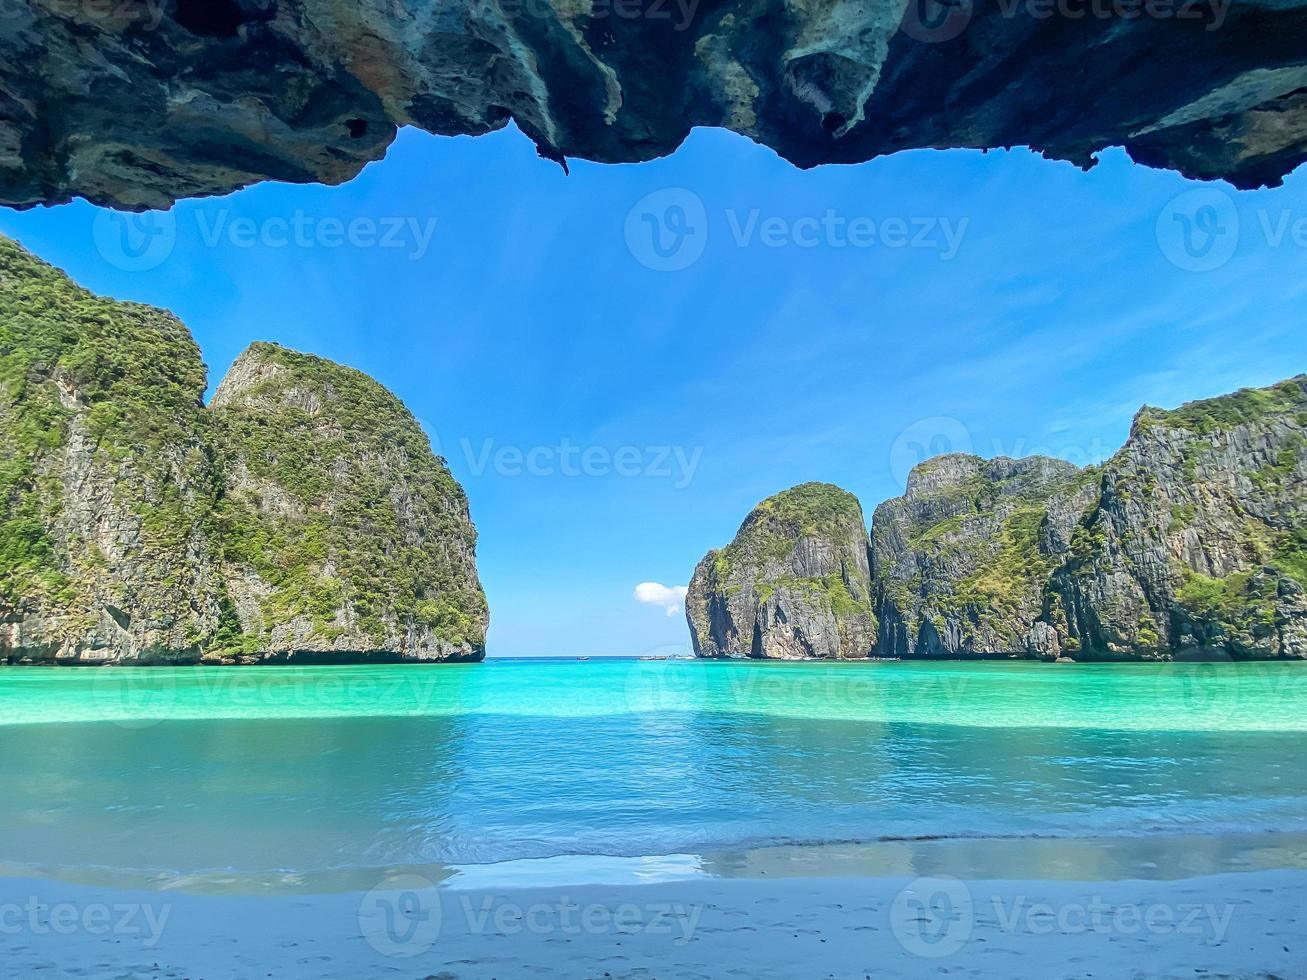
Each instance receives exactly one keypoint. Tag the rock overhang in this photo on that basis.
(138, 103)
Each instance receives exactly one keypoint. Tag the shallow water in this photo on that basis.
(329, 774)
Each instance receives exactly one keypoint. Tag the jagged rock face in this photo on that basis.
(139, 102)
(1199, 539)
(794, 584)
(1190, 541)
(342, 534)
(105, 478)
(303, 516)
(961, 560)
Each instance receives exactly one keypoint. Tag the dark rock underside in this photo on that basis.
(135, 103)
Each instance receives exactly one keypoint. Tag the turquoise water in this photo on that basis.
(187, 774)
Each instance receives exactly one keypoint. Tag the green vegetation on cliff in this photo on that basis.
(338, 507)
(304, 514)
(964, 552)
(794, 582)
(1018, 567)
(100, 417)
(1227, 411)
(1193, 536)
(810, 510)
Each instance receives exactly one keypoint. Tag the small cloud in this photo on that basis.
(670, 597)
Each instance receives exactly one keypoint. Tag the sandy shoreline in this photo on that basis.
(1251, 924)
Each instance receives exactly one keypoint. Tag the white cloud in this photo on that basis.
(669, 597)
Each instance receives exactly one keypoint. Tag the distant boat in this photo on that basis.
(582, 658)
(655, 658)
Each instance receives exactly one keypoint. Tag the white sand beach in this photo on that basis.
(1228, 925)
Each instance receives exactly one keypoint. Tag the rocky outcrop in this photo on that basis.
(342, 535)
(1198, 542)
(105, 482)
(139, 102)
(303, 515)
(793, 584)
(1191, 541)
(961, 560)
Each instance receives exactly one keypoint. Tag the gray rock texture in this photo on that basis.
(1198, 542)
(1190, 542)
(961, 560)
(139, 102)
(342, 535)
(793, 584)
(302, 516)
(106, 484)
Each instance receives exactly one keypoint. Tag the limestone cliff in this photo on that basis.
(1198, 541)
(136, 103)
(794, 583)
(105, 477)
(1191, 541)
(961, 560)
(303, 515)
(342, 534)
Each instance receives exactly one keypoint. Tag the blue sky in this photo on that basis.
(614, 403)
